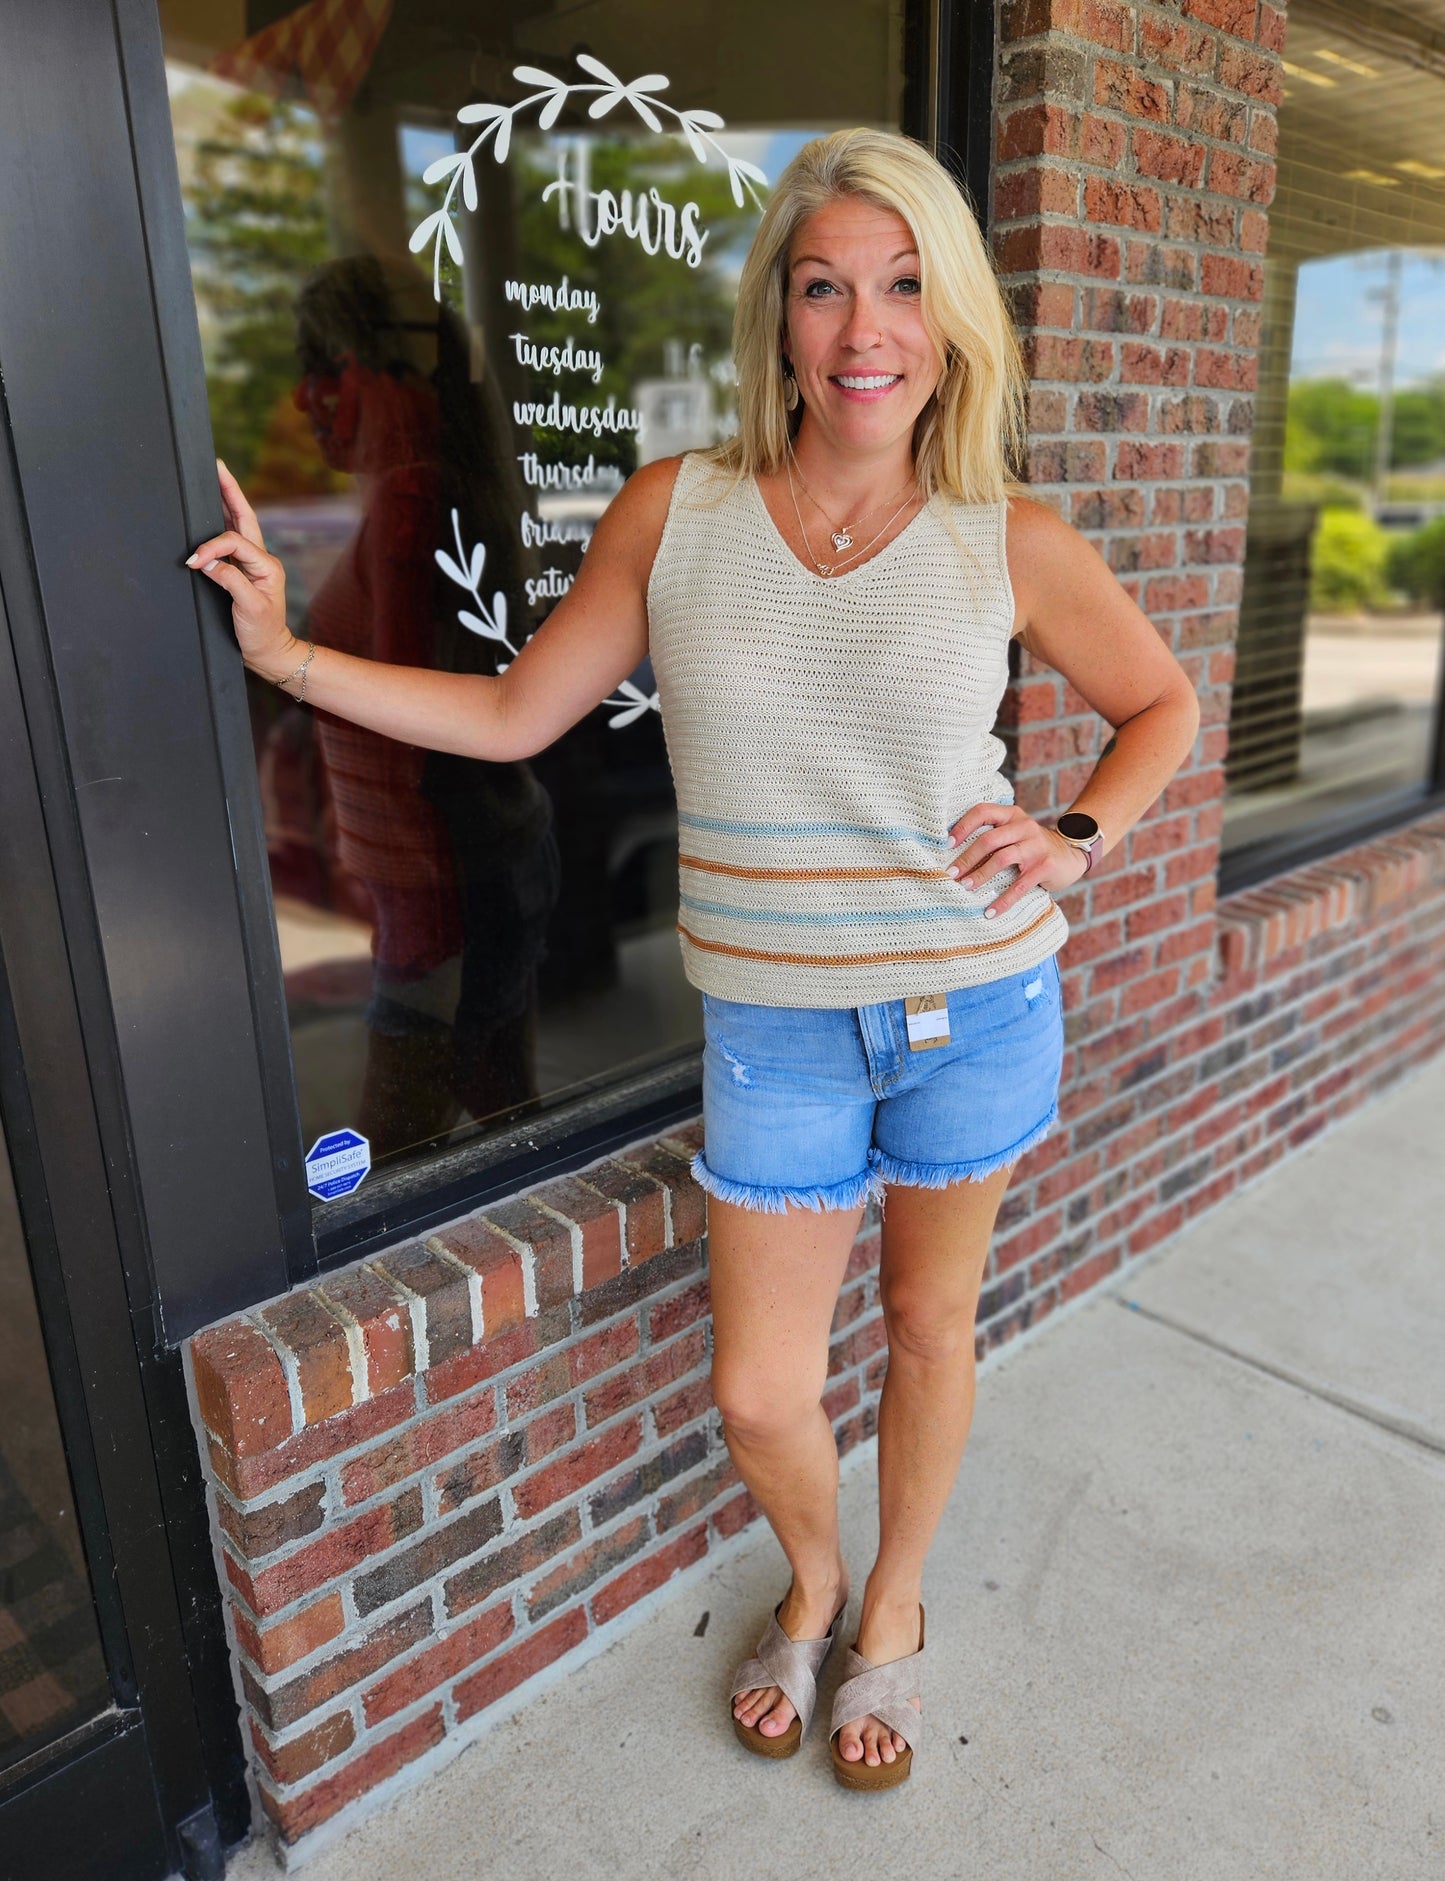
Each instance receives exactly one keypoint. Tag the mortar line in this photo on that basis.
(1413, 1433)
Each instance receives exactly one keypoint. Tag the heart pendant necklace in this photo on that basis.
(841, 535)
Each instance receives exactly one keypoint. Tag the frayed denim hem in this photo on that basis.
(940, 1175)
(775, 1201)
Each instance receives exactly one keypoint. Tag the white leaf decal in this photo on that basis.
(645, 112)
(499, 611)
(601, 106)
(752, 170)
(530, 75)
(482, 113)
(479, 562)
(454, 247)
(434, 172)
(733, 183)
(450, 569)
(423, 232)
(626, 718)
(598, 70)
(469, 187)
(504, 139)
(477, 626)
(706, 120)
(552, 110)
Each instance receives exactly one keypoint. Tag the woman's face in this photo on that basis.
(853, 325)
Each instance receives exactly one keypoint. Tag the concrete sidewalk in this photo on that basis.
(1186, 1608)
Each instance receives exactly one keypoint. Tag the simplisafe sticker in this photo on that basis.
(336, 1164)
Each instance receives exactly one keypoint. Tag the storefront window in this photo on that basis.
(459, 269)
(1336, 714)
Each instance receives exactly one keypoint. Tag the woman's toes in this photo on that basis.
(778, 1719)
(850, 1745)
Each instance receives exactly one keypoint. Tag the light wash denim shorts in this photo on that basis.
(822, 1107)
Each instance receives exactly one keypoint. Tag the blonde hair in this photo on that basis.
(970, 433)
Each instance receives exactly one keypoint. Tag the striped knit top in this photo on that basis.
(824, 732)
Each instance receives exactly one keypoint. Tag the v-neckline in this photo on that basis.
(810, 569)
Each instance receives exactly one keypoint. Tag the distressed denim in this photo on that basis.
(823, 1107)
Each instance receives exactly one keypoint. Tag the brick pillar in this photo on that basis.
(1134, 164)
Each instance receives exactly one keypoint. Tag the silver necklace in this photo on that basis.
(842, 537)
(830, 568)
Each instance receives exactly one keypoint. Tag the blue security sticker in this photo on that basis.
(337, 1164)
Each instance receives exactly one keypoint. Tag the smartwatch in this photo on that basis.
(1081, 832)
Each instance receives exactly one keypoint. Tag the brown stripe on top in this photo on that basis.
(807, 875)
(863, 960)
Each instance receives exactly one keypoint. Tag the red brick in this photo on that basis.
(1057, 246)
(252, 1475)
(359, 1296)
(597, 1219)
(694, 1496)
(257, 1530)
(600, 1351)
(1124, 87)
(418, 1447)
(523, 1661)
(1204, 112)
(1231, 174)
(280, 1708)
(299, 1756)
(1128, 205)
(318, 1342)
(335, 1554)
(1167, 159)
(687, 1205)
(469, 1369)
(1140, 364)
(1230, 16)
(577, 1468)
(425, 1559)
(671, 1316)
(683, 1407)
(1102, 140)
(736, 1515)
(1037, 191)
(479, 1580)
(578, 1572)
(1037, 130)
(441, 1298)
(645, 1380)
(621, 1593)
(272, 1648)
(548, 1242)
(1177, 47)
(297, 1814)
(437, 1664)
(500, 1265)
(643, 1199)
(240, 1388)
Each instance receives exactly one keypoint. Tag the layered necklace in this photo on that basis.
(842, 537)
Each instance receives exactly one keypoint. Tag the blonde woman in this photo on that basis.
(828, 601)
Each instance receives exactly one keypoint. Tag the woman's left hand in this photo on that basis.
(1012, 839)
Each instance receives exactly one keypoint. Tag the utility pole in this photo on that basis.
(1389, 298)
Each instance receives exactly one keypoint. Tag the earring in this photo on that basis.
(790, 387)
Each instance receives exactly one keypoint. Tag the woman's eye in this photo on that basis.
(910, 283)
(808, 293)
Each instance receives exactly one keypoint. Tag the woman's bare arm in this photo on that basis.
(594, 637)
(1075, 616)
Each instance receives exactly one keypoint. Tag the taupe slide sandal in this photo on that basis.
(793, 1666)
(883, 1692)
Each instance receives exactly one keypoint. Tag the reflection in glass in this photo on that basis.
(52, 1676)
(1338, 682)
(463, 942)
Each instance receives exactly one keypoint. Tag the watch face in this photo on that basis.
(1077, 827)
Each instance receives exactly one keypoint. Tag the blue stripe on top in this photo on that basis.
(791, 917)
(723, 827)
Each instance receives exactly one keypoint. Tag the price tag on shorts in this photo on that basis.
(927, 1017)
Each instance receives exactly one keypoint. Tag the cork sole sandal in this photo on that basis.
(884, 1692)
(793, 1666)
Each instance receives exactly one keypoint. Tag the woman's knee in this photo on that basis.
(923, 1327)
(761, 1406)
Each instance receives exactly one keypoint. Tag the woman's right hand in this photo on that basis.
(237, 561)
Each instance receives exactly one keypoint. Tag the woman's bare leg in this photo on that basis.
(775, 1282)
(935, 1247)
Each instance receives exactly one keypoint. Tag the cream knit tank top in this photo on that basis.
(824, 733)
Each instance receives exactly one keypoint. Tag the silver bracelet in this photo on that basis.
(300, 673)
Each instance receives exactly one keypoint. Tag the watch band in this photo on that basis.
(1090, 846)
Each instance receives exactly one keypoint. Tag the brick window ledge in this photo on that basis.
(1266, 927)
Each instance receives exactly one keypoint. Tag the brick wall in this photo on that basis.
(437, 1472)
(442, 1472)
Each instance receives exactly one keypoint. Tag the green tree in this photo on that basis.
(1347, 562)
(255, 207)
(1331, 427)
(1417, 564)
